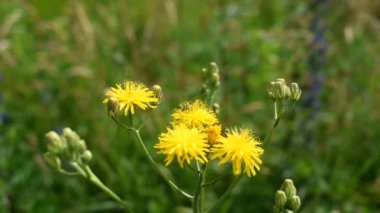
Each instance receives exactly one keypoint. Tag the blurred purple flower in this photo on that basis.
(316, 62)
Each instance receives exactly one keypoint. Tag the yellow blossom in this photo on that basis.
(213, 133)
(195, 114)
(130, 95)
(240, 147)
(184, 143)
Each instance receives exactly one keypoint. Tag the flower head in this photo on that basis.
(240, 147)
(184, 143)
(213, 133)
(131, 94)
(194, 114)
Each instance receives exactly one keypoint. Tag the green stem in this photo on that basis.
(68, 173)
(198, 190)
(225, 194)
(87, 173)
(269, 134)
(130, 119)
(203, 191)
(173, 185)
(139, 139)
(122, 125)
(275, 110)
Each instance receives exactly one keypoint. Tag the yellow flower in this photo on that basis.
(131, 94)
(213, 133)
(240, 147)
(184, 143)
(194, 114)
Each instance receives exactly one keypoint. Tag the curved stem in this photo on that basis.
(68, 173)
(139, 139)
(174, 186)
(123, 125)
(86, 172)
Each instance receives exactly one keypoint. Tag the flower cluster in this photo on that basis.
(286, 198)
(66, 148)
(195, 134)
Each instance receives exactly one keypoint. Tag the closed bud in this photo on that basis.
(52, 160)
(204, 89)
(283, 91)
(158, 93)
(54, 142)
(280, 199)
(278, 90)
(214, 67)
(113, 106)
(215, 80)
(295, 203)
(216, 108)
(289, 188)
(295, 92)
(81, 146)
(86, 157)
(73, 140)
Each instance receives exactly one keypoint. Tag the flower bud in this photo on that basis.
(280, 199)
(286, 91)
(73, 140)
(54, 142)
(158, 93)
(279, 91)
(295, 92)
(295, 203)
(81, 146)
(289, 188)
(86, 157)
(282, 91)
(112, 106)
(216, 108)
(215, 80)
(52, 160)
(214, 67)
(213, 133)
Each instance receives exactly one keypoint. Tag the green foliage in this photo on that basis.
(57, 58)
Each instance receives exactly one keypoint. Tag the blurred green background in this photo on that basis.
(58, 57)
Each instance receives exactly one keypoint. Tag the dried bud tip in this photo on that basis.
(112, 106)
